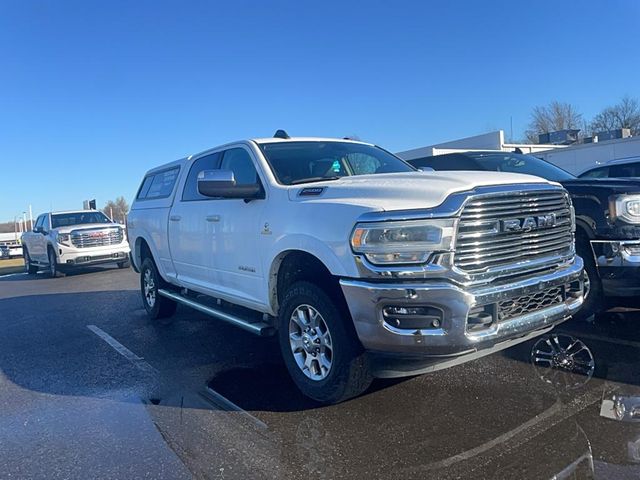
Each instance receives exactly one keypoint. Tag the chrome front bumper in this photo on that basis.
(453, 337)
(611, 253)
(618, 263)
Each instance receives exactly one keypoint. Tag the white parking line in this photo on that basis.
(599, 338)
(139, 362)
(209, 394)
(13, 274)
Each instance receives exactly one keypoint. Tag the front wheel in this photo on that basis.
(158, 307)
(320, 347)
(53, 263)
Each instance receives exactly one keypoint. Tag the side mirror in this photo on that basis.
(426, 169)
(38, 230)
(222, 183)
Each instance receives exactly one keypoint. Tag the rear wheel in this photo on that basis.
(594, 301)
(320, 347)
(29, 267)
(158, 307)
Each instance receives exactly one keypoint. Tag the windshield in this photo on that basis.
(303, 162)
(78, 218)
(519, 163)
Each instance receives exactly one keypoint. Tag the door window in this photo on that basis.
(159, 185)
(39, 221)
(208, 162)
(239, 162)
(596, 173)
(625, 170)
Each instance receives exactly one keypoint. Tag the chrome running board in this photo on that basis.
(257, 328)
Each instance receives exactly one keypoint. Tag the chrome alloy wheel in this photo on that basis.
(586, 282)
(149, 288)
(563, 361)
(310, 342)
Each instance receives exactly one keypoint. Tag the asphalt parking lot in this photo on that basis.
(91, 388)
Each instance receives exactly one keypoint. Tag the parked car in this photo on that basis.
(4, 252)
(607, 218)
(623, 168)
(62, 240)
(15, 251)
(361, 265)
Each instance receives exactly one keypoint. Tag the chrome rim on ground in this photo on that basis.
(310, 342)
(563, 361)
(149, 288)
(586, 283)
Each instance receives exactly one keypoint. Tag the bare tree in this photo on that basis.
(624, 114)
(552, 117)
(117, 210)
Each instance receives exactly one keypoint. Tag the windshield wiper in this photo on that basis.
(313, 180)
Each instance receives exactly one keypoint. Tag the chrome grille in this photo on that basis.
(97, 237)
(516, 307)
(483, 243)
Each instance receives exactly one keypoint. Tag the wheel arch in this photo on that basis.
(292, 265)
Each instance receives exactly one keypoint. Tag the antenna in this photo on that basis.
(281, 134)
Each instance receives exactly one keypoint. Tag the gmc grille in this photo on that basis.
(501, 230)
(97, 238)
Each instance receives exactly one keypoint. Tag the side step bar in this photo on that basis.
(258, 328)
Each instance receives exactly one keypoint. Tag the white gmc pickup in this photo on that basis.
(61, 240)
(363, 266)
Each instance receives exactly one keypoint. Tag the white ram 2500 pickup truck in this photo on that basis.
(61, 240)
(363, 266)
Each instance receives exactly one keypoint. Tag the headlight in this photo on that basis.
(63, 239)
(408, 242)
(627, 208)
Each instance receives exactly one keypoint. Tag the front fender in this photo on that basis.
(337, 257)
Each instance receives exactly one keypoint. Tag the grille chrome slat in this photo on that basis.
(491, 258)
(97, 237)
(509, 199)
(481, 245)
(514, 212)
(559, 204)
(465, 247)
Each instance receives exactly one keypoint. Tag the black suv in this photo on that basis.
(607, 218)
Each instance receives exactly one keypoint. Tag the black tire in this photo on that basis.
(595, 301)
(125, 264)
(52, 269)
(29, 267)
(160, 308)
(349, 374)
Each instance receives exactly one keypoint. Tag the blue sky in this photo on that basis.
(92, 94)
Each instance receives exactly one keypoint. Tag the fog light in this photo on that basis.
(481, 317)
(412, 318)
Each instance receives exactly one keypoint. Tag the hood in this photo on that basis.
(615, 185)
(86, 226)
(403, 191)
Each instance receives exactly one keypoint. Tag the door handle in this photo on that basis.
(175, 218)
(213, 218)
